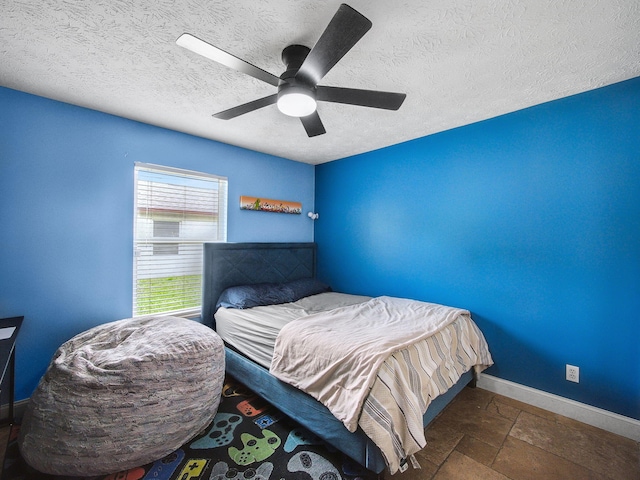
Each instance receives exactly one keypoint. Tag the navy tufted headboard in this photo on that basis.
(230, 264)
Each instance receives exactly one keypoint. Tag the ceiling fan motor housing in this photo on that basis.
(300, 96)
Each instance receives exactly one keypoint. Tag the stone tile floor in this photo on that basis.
(482, 435)
(485, 436)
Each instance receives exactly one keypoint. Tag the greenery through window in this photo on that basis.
(176, 211)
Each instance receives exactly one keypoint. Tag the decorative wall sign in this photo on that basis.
(268, 205)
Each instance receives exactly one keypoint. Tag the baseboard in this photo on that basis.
(19, 408)
(597, 417)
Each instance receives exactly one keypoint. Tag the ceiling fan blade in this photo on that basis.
(246, 107)
(344, 30)
(188, 41)
(313, 125)
(364, 98)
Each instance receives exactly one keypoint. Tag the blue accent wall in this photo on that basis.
(530, 220)
(66, 213)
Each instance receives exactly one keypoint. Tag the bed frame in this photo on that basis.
(230, 264)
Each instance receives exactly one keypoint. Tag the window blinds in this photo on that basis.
(175, 212)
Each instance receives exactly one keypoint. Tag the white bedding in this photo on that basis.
(253, 331)
(334, 356)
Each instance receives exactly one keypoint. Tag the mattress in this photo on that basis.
(253, 331)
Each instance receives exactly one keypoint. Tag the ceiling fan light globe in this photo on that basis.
(296, 104)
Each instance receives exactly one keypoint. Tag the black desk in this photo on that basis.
(8, 358)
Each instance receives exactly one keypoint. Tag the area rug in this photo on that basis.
(248, 439)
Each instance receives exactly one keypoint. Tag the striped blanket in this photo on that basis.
(379, 363)
(411, 378)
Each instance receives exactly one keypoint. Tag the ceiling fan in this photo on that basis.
(298, 89)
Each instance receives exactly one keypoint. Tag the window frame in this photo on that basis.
(142, 240)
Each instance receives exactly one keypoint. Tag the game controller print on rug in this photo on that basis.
(247, 439)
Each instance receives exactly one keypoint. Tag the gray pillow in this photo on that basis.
(248, 296)
(259, 294)
(306, 287)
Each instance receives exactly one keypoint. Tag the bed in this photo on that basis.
(234, 264)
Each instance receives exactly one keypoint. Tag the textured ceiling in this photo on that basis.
(458, 61)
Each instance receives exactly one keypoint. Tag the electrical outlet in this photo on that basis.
(573, 373)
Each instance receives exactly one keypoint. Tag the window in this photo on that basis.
(175, 212)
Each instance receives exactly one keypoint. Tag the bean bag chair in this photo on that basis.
(122, 395)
